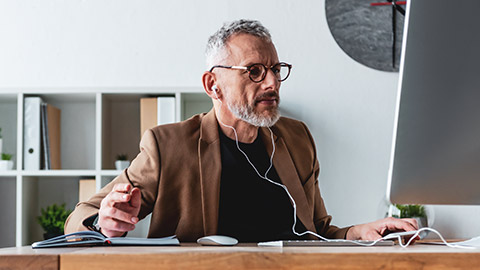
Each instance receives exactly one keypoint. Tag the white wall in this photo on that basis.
(118, 43)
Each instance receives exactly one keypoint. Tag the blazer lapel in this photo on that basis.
(287, 172)
(210, 165)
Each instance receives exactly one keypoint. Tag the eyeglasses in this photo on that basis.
(258, 72)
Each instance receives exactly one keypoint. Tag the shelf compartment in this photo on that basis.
(120, 127)
(194, 103)
(8, 124)
(77, 128)
(106, 179)
(8, 221)
(42, 191)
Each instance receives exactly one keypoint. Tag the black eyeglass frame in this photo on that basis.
(248, 68)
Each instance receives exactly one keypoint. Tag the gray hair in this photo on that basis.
(217, 42)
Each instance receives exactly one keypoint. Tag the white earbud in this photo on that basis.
(215, 90)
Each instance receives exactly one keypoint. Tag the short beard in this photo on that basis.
(246, 113)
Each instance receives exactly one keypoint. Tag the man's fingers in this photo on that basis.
(118, 214)
(373, 235)
(375, 230)
(406, 224)
(125, 188)
(114, 198)
(119, 209)
(118, 195)
(136, 199)
(412, 222)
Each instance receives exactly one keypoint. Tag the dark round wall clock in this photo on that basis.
(369, 31)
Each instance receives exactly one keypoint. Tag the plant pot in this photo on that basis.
(6, 165)
(122, 164)
(49, 235)
(1, 144)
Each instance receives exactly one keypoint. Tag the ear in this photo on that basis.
(209, 80)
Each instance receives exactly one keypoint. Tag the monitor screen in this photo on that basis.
(436, 139)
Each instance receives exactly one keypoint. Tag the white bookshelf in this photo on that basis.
(96, 124)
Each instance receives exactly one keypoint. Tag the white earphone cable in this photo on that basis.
(295, 205)
(266, 172)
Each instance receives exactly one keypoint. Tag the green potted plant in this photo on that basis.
(52, 220)
(122, 162)
(6, 162)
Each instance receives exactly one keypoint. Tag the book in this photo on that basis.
(86, 189)
(92, 238)
(165, 110)
(50, 135)
(54, 136)
(148, 114)
(156, 111)
(45, 155)
(31, 135)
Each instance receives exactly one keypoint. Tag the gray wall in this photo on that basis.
(118, 43)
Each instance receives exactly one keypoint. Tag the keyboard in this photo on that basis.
(321, 243)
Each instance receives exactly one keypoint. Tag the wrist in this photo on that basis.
(91, 223)
(94, 226)
(352, 233)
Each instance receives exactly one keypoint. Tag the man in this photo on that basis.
(236, 170)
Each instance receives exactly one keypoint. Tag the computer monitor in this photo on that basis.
(436, 139)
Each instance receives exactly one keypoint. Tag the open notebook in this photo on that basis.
(91, 238)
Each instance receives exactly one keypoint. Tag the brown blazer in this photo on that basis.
(178, 172)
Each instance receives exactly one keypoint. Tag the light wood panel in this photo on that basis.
(251, 257)
(27, 262)
(192, 256)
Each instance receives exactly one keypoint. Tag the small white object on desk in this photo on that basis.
(395, 236)
(217, 240)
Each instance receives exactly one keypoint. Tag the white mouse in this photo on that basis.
(398, 234)
(217, 240)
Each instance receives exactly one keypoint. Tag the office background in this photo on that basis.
(348, 107)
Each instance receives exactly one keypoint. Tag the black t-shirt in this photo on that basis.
(251, 208)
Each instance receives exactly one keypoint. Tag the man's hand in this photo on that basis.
(119, 210)
(375, 230)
